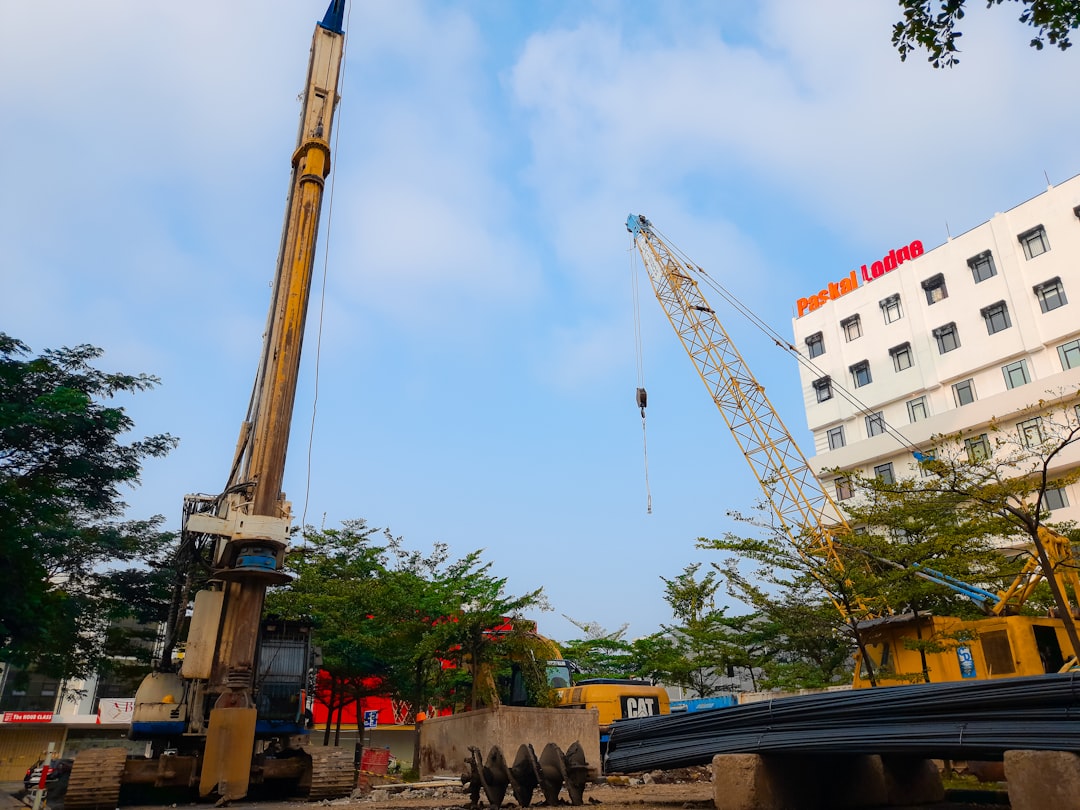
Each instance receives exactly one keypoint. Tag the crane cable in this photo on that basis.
(642, 396)
(322, 292)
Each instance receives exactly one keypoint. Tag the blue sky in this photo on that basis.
(476, 364)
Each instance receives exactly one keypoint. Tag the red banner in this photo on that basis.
(28, 717)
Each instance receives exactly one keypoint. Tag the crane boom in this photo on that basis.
(251, 553)
(805, 510)
(231, 710)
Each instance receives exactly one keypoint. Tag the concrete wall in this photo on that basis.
(445, 741)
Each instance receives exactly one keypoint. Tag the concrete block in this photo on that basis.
(912, 780)
(755, 782)
(1039, 780)
(445, 741)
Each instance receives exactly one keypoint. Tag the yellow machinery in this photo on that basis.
(612, 698)
(234, 712)
(999, 646)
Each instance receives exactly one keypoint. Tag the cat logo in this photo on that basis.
(639, 706)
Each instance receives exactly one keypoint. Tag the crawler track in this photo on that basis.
(333, 774)
(95, 779)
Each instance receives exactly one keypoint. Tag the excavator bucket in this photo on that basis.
(227, 761)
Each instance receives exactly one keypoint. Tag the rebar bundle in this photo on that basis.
(956, 720)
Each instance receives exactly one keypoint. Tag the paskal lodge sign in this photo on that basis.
(845, 285)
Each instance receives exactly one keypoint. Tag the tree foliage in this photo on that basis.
(931, 25)
(70, 560)
(387, 619)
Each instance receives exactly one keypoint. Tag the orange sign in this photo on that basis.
(845, 285)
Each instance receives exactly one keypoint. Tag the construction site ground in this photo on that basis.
(684, 789)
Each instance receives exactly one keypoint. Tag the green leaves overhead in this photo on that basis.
(68, 555)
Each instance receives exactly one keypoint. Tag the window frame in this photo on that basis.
(1064, 350)
(969, 385)
(1025, 430)
(996, 317)
(823, 388)
(875, 424)
(1054, 284)
(1060, 498)
(884, 472)
(898, 353)
(838, 432)
(980, 261)
(944, 331)
(815, 340)
(1009, 370)
(856, 377)
(849, 325)
(1032, 237)
(913, 405)
(844, 490)
(974, 445)
(933, 285)
(891, 310)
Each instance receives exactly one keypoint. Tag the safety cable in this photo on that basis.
(642, 396)
(326, 264)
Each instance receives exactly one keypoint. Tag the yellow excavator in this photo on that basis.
(1001, 645)
(231, 713)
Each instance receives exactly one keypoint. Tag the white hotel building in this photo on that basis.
(979, 328)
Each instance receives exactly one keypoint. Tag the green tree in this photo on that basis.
(486, 631)
(66, 550)
(848, 581)
(795, 637)
(601, 653)
(931, 25)
(702, 639)
(1003, 476)
(337, 586)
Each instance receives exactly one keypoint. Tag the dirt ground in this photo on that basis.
(685, 789)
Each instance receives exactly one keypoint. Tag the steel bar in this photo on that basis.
(975, 720)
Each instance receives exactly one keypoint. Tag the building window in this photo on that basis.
(1069, 354)
(978, 448)
(996, 317)
(982, 266)
(852, 328)
(916, 409)
(1055, 498)
(1051, 294)
(1034, 242)
(1030, 432)
(1016, 374)
(843, 489)
(860, 374)
(884, 473)
(890, 308)
(836, 437)
(964, 393)
(935, 289)
(925, 470)
(823, 388)
(947, 338)
(875, 424)
(815, 345)
(901, 356)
